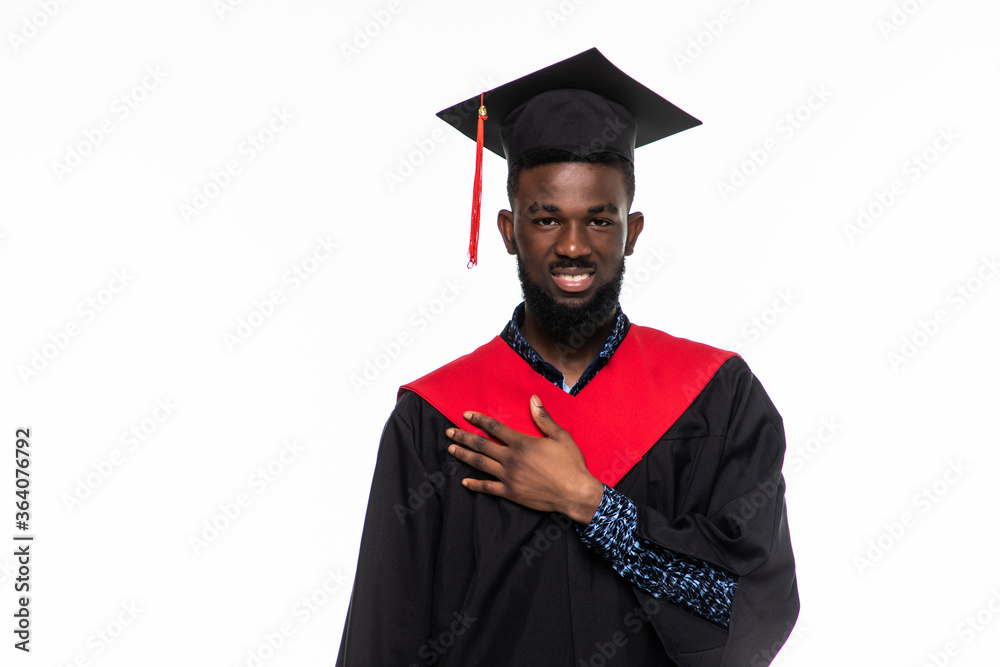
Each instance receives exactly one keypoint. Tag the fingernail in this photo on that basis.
(537, 402)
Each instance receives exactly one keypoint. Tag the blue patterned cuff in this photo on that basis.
(687, 582)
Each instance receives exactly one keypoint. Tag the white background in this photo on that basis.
(886, 575)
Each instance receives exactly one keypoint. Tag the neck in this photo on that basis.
(570, 354)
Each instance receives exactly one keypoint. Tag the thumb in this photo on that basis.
(543, 420)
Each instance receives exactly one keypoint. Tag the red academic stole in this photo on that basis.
(649, 382)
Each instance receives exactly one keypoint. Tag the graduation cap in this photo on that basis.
(583, 105)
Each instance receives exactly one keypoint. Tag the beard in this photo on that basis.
(565, 321)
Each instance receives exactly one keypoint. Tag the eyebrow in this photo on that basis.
(552, 208)
(535, 207)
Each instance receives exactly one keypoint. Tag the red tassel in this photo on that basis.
(477, 189)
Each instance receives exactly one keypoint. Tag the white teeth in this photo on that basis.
(575, 279)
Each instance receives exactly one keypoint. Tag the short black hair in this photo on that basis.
(553, 156)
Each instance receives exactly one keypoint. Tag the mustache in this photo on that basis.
(572, 264)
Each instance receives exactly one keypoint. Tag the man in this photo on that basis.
(579, 490)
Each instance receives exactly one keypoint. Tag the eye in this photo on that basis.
(545, 222)
(601, 222)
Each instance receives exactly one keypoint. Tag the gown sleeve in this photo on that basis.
(688, 582)
(735, 519)
(389, 616)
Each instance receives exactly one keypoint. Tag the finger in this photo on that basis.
(477, 443)
(543, 420)
(495, 429)
(485, 486)
(476, 460)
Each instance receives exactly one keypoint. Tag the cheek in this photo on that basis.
(611, 245)
(530, 246)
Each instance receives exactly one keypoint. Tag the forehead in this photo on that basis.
(584, 183)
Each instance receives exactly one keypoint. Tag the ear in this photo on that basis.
(505, 223)
(635, 223)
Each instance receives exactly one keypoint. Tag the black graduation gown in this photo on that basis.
(447, 576)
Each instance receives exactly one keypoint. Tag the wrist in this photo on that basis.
(583, 503)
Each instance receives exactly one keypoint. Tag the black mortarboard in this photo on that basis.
(583, 105)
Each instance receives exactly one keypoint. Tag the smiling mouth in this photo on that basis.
(572, 282)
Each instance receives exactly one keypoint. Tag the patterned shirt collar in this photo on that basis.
(515, 339)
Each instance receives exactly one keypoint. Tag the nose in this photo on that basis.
(573, 242)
